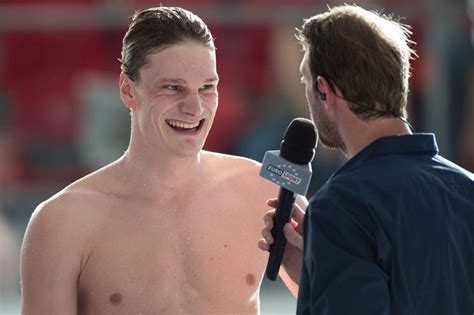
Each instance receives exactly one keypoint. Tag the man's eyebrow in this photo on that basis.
(214, 79)
(169, 80)
(181, 81)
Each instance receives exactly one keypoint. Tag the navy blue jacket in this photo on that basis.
(391, 232)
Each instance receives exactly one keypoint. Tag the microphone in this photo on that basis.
(290, 169)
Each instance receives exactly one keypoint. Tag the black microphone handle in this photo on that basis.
(283, 213)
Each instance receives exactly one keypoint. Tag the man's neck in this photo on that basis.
(158, 169)
(359, 134)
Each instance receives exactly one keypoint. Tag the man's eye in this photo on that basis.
(172, 87)
(207, 87)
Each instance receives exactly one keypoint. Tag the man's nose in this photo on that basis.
(192, 105)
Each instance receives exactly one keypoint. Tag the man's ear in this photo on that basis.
(327, 94)
(126, 91)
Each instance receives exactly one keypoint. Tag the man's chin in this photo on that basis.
(330, 146)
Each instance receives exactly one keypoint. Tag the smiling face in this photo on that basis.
(175, 101)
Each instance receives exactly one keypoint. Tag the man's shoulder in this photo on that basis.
(240, 170)
(70, 197)
(60, 229)
(231, 163)
(76, 201)
(67, 208)
(229, 159)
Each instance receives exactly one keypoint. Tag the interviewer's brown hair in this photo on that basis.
(365, 54)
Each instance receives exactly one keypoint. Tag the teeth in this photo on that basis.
(182, 125)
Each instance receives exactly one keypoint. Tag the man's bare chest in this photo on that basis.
(162, 262)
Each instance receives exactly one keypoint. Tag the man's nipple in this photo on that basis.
(115, 299)
(250, 279)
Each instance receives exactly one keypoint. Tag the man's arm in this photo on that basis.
(50, 261)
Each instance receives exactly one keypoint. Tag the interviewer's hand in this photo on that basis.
(292, 256)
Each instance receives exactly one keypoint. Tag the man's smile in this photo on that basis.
(185, 126)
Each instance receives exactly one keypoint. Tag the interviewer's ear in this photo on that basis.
(323, 85)
(126, 91)
(319, 91)
(326, 94)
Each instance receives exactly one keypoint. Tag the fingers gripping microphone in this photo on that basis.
(290, 169)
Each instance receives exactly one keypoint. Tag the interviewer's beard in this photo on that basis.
(327, 131)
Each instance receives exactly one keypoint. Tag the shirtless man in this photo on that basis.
(167, 228)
